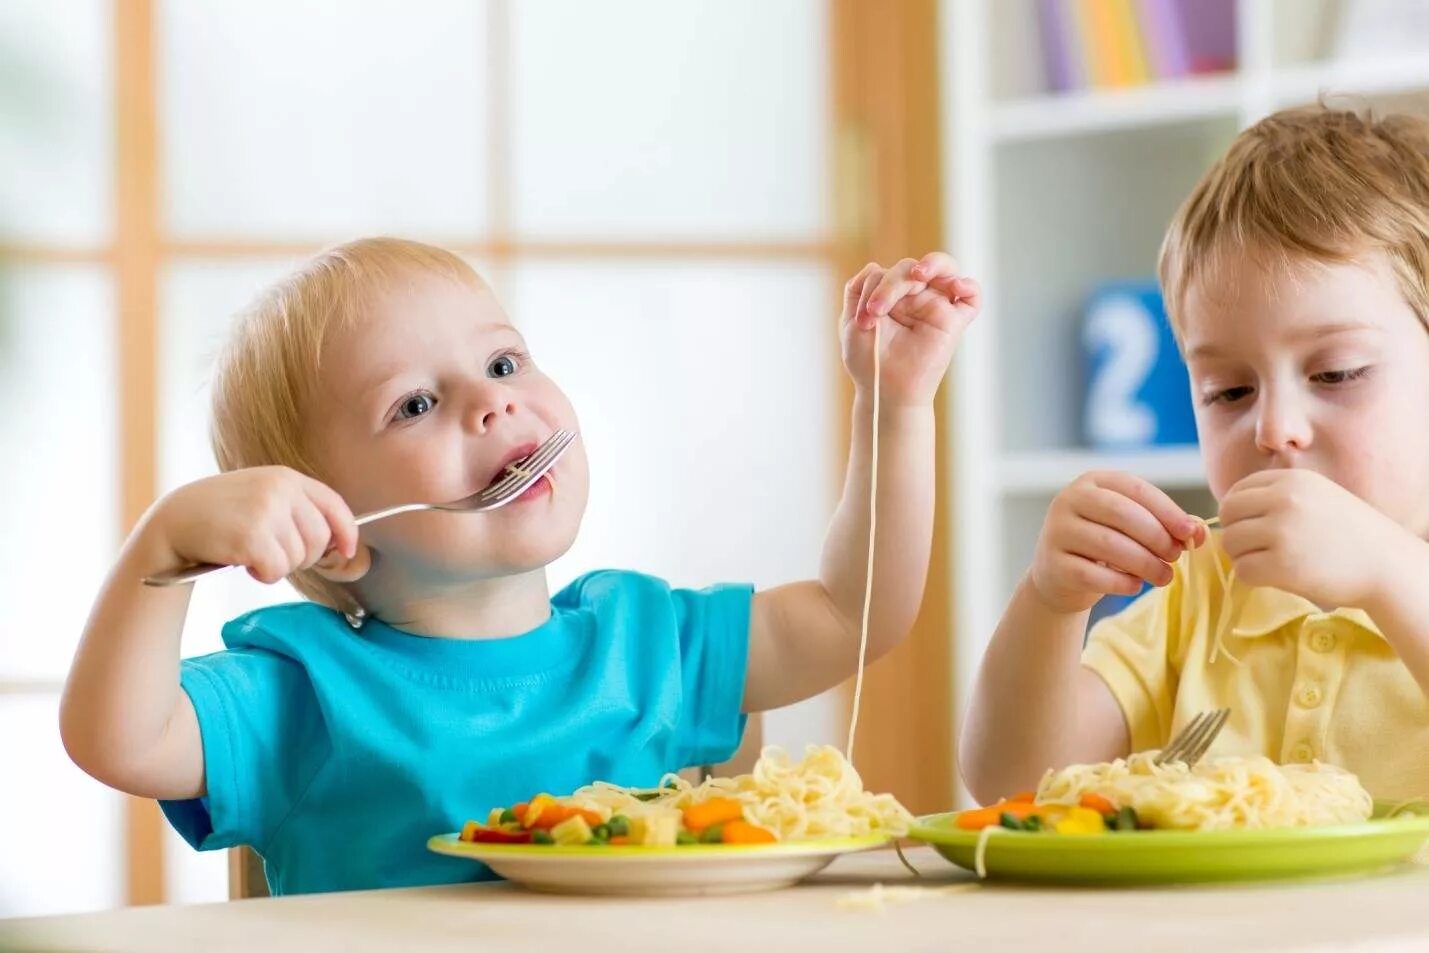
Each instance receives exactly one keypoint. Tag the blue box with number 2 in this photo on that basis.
(1137, 390)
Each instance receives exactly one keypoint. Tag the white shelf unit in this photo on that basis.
(1047, 195)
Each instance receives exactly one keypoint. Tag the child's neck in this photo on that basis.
(483, 609)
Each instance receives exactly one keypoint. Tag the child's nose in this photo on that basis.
(488, 405)
(1282, 426)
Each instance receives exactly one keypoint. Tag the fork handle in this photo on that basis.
(183, 575)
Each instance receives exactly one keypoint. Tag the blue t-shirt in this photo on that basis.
(336, 753)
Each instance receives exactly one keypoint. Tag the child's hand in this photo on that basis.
(924, 307)
(1300, 531)
(273, 520)
(1103, 535)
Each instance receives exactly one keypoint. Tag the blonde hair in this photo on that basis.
(264, 377)
(1310, 184)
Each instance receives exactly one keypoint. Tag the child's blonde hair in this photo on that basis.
(1309, 184)
(265, 376)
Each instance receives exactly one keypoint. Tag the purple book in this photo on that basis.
(1165, 41)
(1210, 34)
(1060, 56)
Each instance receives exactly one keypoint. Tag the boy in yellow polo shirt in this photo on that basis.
(1297, 278)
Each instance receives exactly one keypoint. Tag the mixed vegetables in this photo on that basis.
(548, 820)
(1093, 814)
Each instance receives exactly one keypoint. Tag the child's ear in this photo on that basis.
(335, 567)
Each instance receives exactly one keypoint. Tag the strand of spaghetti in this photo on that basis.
(1232, 600)
(868, 581)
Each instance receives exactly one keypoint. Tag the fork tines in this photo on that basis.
(533, 466)
(1193, 741)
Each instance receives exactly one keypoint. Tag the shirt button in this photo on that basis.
(1309, 696)
(1302, 753)
(1322, 641)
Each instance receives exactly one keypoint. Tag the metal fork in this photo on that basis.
(520, 477)
(1194, 740)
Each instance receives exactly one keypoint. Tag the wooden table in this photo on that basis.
(1383, 913)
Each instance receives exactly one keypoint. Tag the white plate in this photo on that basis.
(656, 871)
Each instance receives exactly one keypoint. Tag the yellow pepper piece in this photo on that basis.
(1081, 820)
(573, 830)
(533, 810)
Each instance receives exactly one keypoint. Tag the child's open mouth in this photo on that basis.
(512, 466)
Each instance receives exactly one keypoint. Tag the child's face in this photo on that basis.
(1321, 367)
(427, 399)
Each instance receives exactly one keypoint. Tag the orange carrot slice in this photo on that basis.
(743, 832)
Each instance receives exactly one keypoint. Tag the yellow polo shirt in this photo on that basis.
(1310, 685)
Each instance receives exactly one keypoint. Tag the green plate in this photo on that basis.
(1182, 857)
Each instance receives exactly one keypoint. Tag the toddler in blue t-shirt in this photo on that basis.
(432, 673)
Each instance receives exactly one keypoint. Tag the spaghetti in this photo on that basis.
(820, 795)
(1215, 794)
(868, 578)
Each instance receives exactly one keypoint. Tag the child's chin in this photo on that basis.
(534, 548)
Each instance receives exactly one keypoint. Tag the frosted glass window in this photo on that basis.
(59, 494)
(193, 876)
(689, 379)
(47, 801)
(288, 118)
(643, 118)
(56, 144)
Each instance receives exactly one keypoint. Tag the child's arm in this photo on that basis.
(1300, 531)
(804, 636)
(124, 718)
(1034, 705)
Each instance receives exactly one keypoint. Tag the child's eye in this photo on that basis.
(414, 405)
(1228, 396)
(503, 366)
(1340, 377)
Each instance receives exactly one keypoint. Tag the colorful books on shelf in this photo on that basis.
(1106, 44)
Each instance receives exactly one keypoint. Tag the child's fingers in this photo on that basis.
(854, 290)
(267, 561)
(340, 521)
(964, 292)
(925, 307)
(1088, 575)
(897, 283)
(295, 548)
(934, 265)
(1121, 513)
(1260, 478)
(314, 533)
(1245, 504)
(1253, 535)
(1180, 524)
(870, 285)
(1102, 544)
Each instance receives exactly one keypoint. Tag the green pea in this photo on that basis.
(539, 836)
(714, 834)
(685, 838)
(619, 826)
(508, 816)
(601, 833)
(1010, 822)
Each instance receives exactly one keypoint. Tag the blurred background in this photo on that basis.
(668, 196)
